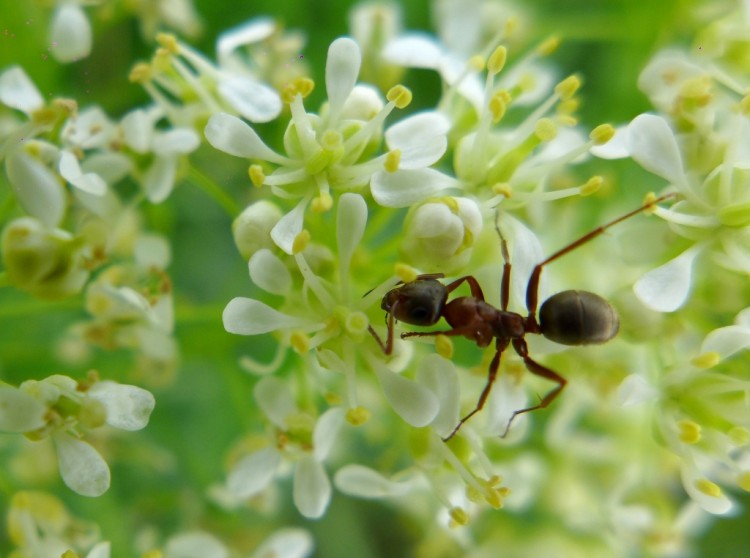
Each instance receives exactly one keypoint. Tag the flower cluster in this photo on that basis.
(344, 200)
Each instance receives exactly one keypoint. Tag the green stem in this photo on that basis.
(212, 189)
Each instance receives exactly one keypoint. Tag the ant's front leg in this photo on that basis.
(501, 345)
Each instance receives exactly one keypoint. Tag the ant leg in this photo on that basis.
(476, 290)
(505, 283)
(535, 368)
(491, 375)
(532, 290)
(387, 348)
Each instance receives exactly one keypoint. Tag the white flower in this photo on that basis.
(71, 33)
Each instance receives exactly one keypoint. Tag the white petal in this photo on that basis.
(506, 397)
(351, 218)
(717, 505)
(525, 252)
(70, 170)
(326, 429)
(407, 187)
(111, 167)
(666, 288)
(100, 550)
(342, 70)
(743, 318)
(231, 135)
(363, 482)
(152, 251)
(71, 33)
(18, 91)
(275, 399)
(440, 377)
(253, 473)
(245, 316)
(726, 341)
(289, 226)
(652, 145)
(635, 390)
(177, 140)
(422, 139)
(414, 51)
(250, 98)
(38, 190)
(286, 543)
(247, 33)
(137, 129)
(128, 407)
(81, 467)
(312, 489)
(19, 411)
(195, 545)
(159, 178)
(414, 403)
(269, 272)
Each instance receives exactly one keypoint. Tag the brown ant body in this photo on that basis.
(569, 317)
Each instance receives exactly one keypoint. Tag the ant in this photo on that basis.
(570, 317)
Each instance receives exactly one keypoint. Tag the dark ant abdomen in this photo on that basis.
(578, 318)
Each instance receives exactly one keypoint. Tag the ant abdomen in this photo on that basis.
(578, 318)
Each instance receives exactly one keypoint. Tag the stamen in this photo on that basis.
(357, 416)
(399, 96)
(257, 176)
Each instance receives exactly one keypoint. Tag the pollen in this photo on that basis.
(304, 86)
(257, 176)
(300, 342)
(592, 185)
(444, 346)
(706, 360)
(301, 241)
(568, 87)
(708, 488)
(399, 96)
(497, 59)
(458, 516)
(392, 160)
(322, 203)
(406, 273)
(545, 129)
(168, 42)
(690, 432)
(155, 553)
(602, 134)
(357, 416)
(548, 46)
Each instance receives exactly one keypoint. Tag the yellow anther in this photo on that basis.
(288, 93)
(69, 554)
(332, 398)
(141, 73)
(399, 96)
(405, 272)
(497, 106)
(331, 140)
(257, 176)
(568, 106)
(169, 42)
(444, 346)
(744, 105)
(497, 60)
(301, 241)
(476, 63)
(743, 481)
(708, 488)
(697, 88)
(592, 185)
(511, 24)
(155, 553)
(322, 203)
(568, 87)
(357, 416)
(602, 134)
(706, 360)
(356, 323)
(161, 61)
(567, 120)
(458, 516)
(502, 189)
(392, 160)
(690, 432)
(494, 498)
(300, 342)
(545, 129)
(739, 435)
(548, 46)
(69, 106)
(304, 86)
(494, 481)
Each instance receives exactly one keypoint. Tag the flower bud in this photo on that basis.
(252, 229)
(44, 262)
(439, 235)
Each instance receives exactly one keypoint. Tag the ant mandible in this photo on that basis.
(570, 317)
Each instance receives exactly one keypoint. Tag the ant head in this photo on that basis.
(578, 318)
(417, 303)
